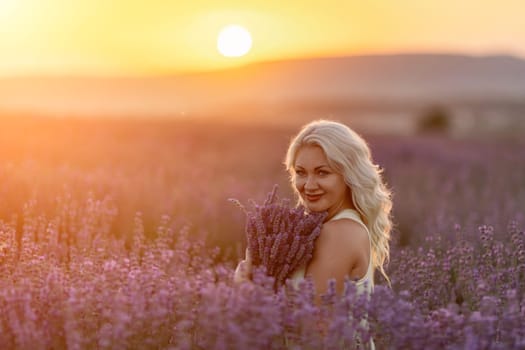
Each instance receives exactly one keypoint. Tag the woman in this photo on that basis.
(331, 170)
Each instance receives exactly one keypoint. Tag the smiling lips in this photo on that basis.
(313, 198)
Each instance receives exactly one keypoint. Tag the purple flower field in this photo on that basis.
(118, 235)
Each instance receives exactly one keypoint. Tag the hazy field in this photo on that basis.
(78, 197)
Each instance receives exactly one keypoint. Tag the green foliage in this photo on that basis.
(435, 119)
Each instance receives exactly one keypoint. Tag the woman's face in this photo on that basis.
(321, 188)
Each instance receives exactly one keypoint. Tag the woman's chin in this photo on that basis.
(315, 207)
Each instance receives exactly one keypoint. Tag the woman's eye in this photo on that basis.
(323, 173)
(299, 173)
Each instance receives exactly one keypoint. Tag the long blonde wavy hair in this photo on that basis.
(349, 154)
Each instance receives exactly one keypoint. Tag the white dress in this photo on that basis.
(365, 283)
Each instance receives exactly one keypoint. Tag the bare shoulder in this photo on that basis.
(342, 249)
(344, 233)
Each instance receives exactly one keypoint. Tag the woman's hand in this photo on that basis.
(244, 269)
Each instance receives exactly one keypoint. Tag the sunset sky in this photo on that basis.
(132, 37)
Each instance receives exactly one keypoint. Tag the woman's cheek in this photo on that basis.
(298, 183)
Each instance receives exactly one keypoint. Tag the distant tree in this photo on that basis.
(435, 119)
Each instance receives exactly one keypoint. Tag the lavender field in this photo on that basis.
(118, 234)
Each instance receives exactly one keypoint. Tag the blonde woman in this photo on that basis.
(331, 169)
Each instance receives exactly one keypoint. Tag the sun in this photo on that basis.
(234, 41)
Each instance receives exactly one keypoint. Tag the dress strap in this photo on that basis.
(351, 214)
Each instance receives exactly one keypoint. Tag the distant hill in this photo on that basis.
(403, 78)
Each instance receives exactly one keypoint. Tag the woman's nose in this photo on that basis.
(310, 183)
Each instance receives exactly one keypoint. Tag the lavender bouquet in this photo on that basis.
(280, 238)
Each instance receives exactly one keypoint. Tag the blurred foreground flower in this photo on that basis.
(280, 238)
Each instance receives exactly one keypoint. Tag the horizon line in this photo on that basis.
(191, 72)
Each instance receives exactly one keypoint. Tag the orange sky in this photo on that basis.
(136, 37)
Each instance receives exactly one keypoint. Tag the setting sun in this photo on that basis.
(234, 41)
(92, 38)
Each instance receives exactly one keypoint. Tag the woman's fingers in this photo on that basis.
(242, 272)
(244, 268)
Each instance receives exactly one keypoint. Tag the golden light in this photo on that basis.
(7, 8)
(234, 41)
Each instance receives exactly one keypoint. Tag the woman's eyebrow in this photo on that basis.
(316, 168)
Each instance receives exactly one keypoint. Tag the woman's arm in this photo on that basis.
(341, 250)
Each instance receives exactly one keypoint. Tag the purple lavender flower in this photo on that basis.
(281, 238)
